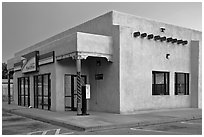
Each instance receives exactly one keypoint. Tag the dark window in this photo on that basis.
(181, 83)
(160, 83)
(23, 91)
(71, 91)
(42, 93)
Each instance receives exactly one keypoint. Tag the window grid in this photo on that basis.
(24, 91)
(160, 83)
(181, 88)
(42, 93)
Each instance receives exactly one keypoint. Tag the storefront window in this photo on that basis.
(160, 83)
(42, 94)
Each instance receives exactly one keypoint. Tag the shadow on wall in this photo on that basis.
(194, 61)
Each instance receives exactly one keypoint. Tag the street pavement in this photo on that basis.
(18, 125)
(192, 127)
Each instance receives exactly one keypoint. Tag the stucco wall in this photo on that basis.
(90, 43)
(104, 93)
(139, 57)
(194, 59)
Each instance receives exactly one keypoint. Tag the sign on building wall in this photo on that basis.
(46, 58)
(29, 62)
(98, 76)
(88, 94)
(17, 66)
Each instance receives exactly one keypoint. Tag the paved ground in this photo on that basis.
(101, 120)
(18, 125)
(192, 127)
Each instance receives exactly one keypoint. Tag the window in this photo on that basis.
(42, 93)
(160, 83)
(23, 91)
(181, 83)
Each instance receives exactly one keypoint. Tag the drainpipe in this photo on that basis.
(9, 95)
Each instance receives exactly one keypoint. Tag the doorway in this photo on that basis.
(42, 91)
(71, 91)
(24, 91)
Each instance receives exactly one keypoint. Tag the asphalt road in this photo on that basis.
(18, 125)
(192, 127)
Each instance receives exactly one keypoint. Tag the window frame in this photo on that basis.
(37, 96)
(22, 89)
(166, 76)
(186, 83)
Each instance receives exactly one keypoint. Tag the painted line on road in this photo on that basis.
(155, 131)
(30, 133)
(191, 123)
(57, 132)
(66, 133)
(44, 132)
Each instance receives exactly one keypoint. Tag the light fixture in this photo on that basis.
(150, 36)
(136, 34)
(162, 29)
(98, 63)
(167, 56)
(156, 37)
(143, 35)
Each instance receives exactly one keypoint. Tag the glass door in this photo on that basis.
(42, 93)
(24, 91)
(71, 91)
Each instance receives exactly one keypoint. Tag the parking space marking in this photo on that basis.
(155, 131)
(31, 133)
(66, 133)
(191, 123)
(57, 132)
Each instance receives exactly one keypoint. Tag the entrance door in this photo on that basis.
(71, 91)
(24, 91)
(42, 91)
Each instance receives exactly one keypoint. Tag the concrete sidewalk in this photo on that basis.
(99, 120)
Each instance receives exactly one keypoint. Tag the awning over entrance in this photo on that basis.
(83, 45)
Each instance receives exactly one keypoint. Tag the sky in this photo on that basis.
(25, 24)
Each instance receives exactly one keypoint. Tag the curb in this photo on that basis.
(97, 128)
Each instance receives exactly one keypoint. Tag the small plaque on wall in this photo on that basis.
(98, 76)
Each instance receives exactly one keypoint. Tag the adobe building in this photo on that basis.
(131, 64)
